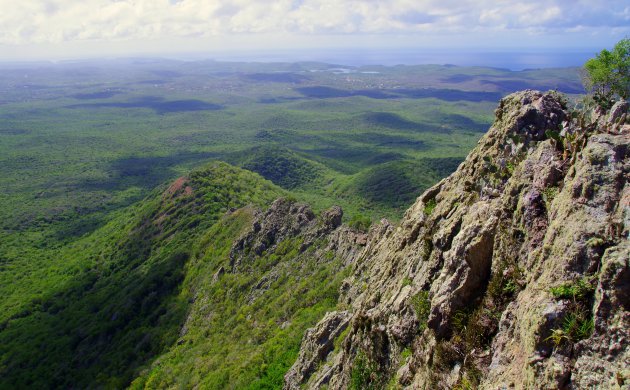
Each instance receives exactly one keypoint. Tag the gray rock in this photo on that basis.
(488, 260)
(618, 110)
(318, 342)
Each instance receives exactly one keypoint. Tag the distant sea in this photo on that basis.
(390, 57)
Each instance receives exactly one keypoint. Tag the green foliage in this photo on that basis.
(95, 285)
(557, 337)
(360, 223)
(460, 319)
(577, 325)
(578, 322)
(122, 301)
(429, 206)
(549, 194)
(246, 331)
(364, 374)
(396, 183)
(340, 338)
(466, 383)
(509, 167)
(422, 307)
(474, 327)
(608, 74)
(280, 165)
(554, 135)
(595, 242)
(577, 290)
(406, 353)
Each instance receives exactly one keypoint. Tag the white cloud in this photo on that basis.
(27, 22)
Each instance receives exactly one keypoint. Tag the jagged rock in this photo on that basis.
(284, 218)
(618, 110)
(604, 358)
(516, 219)
(403, 328)
(331, 218)
(218, 274)
(318, 342)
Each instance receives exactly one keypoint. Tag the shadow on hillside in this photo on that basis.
(100, 327)
(280, 77)
(158, 104)
(451, 95)
(96, 95)
(397, 122)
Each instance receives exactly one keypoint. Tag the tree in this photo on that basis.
(608, 74)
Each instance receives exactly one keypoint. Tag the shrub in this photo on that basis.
(360, 223)
(422, 306)
(364, 375)
(577, 290)
(430, 206)
(608, 74)
(578, 323)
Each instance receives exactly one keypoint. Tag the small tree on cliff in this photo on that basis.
(608, 74)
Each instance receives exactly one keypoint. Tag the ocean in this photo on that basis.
(413, 56)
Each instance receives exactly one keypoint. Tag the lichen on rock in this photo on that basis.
(486, 247)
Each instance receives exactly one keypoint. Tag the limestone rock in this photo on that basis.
(467, 284)
(618, 110)
(317, 344)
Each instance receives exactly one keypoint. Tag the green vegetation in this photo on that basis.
(116, 296)
(608, 74)
(337, 343)
(360, 223)
(422, 307)
(549, 195)
(578, 290)
(429, 206)
(244, 330)
(474, 327)
(282, 166)
(110, 277)
(364, 374)
(577, 323)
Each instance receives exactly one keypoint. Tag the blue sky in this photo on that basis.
(63, 29)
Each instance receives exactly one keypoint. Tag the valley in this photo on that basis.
(127, 182)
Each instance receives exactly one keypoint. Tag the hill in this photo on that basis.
(113, 300)
(510, 273)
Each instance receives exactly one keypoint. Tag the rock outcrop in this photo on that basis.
(511, 273)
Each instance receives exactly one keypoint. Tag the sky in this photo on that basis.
(73, 29)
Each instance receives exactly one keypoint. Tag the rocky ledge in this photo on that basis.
(511, 273)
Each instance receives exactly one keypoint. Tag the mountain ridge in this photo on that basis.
(508, 274)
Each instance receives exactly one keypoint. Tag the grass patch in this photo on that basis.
(360, 223)
(364, 374)
(577, 290)
(422, 307)
(577, 323)
(429, 206)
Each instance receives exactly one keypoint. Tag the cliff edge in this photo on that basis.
(511, 273)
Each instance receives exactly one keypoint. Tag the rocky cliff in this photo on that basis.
(510, 273)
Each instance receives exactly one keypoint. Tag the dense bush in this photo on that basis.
(608, 74)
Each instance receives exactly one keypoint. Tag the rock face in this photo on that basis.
(287, 219)
(511, 273)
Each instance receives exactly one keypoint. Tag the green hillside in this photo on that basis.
(105, 305)
(109, 276)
